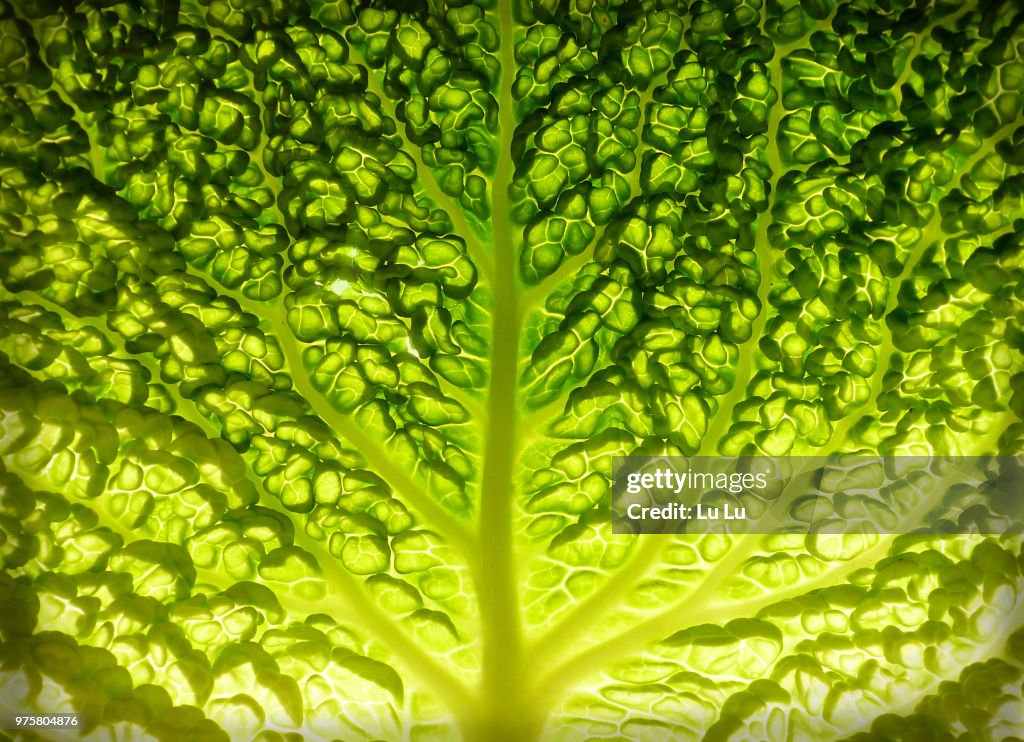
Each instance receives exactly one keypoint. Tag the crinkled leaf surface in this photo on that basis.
(320, 324)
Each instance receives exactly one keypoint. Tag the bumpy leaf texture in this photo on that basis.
(320, 324)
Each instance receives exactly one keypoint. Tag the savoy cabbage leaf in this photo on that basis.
(321, 323)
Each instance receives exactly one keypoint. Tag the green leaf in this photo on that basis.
(322, 322)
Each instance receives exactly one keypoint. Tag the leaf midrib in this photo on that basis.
(500, 711)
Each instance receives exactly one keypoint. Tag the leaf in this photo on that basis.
(322, 323)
